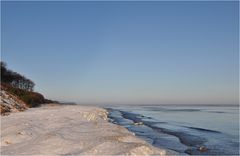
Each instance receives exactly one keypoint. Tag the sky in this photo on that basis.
(125, 52)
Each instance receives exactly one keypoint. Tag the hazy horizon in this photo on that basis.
(125, 52)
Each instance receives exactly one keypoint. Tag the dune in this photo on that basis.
(69, 130)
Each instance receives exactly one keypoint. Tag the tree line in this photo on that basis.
(15, 79)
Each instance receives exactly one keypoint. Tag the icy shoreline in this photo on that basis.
(69, 130)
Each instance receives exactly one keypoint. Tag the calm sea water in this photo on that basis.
(185, 129)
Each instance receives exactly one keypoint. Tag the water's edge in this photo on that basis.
(162, 136)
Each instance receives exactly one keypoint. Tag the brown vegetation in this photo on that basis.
(32, 99)
(10, 103)
(21, 87)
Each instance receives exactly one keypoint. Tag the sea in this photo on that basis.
(186, 129)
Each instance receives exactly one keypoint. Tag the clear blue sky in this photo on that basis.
(125, 52)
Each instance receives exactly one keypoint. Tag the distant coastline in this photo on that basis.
(105, 105)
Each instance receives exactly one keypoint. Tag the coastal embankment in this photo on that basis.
(55, 129)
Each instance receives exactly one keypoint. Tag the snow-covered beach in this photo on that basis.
(69, 130)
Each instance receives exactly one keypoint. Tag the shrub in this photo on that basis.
(22, 87)
(32, 99)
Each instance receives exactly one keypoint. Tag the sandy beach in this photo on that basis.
(69, 130)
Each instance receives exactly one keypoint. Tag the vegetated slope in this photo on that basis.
(10, 103)
(17, 92)
(31, 99)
